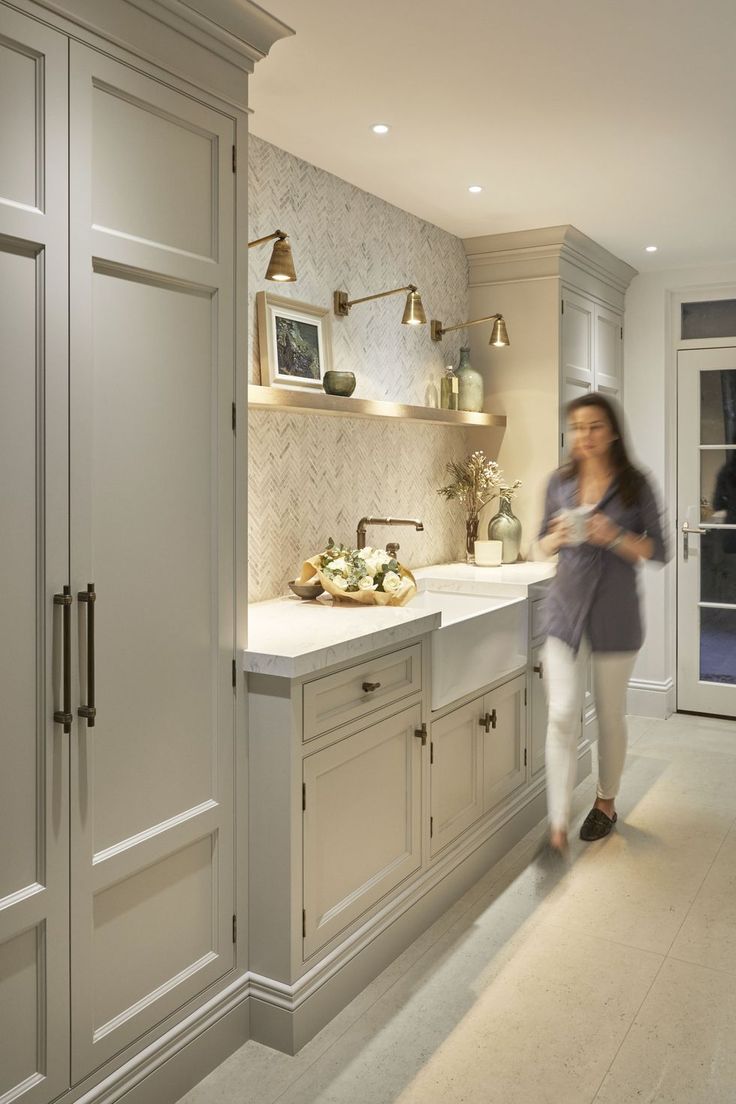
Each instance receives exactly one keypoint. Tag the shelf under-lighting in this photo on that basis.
(317, 402)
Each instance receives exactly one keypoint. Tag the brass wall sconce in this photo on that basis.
(413, 311)
(499, 333)
(281, 266)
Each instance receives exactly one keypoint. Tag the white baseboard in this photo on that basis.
(647, 698)
(174, 1063)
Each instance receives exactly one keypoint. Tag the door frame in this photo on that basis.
(675, 345)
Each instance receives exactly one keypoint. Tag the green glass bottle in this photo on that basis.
(470, 383)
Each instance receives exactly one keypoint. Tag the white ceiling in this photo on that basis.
(617, 116)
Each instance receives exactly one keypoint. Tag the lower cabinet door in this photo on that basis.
(456, 786)
(538, 707)
(504, 742)
(362, 823)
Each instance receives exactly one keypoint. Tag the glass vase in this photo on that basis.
(470, 383)
(506, 527)
(471, 536)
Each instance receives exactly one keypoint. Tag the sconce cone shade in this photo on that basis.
(281, 266)
(414, 311)
(499, 333)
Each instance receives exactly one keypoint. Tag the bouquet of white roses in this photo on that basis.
(366, 575)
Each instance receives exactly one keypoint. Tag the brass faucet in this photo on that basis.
(365, 521)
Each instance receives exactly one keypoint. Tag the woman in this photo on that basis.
(593, 605)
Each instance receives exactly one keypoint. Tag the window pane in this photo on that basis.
(718, 566)
(718, 486)
(718, 645)
(718, 407)
(712, 318)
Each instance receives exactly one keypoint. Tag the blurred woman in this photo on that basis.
(602, 517)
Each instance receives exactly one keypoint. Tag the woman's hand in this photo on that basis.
(557, 535)
(601, 530)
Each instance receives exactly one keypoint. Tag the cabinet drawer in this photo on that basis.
(355, 692)
(538, 618)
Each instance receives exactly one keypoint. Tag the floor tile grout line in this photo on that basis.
(667, 957)
(596, 1094)
(704, 879)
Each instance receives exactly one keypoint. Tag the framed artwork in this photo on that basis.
(295, 341)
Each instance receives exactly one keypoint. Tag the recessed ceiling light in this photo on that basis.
(380, 128)
(475, 188)
(651, 249)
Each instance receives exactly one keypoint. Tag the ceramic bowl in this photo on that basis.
(306, 591)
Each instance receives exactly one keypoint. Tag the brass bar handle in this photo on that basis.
(539, 670)
(485, 722)
(369, 687)
(88, 711)
(64, 716)
(421, 733)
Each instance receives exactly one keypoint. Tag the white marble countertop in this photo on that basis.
(291, 638)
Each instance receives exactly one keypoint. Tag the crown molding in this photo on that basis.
(545, 252)
(238, 32)
(239, 25)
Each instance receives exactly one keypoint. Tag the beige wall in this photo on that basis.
(650, 401)
(310, 476)
(522, 383)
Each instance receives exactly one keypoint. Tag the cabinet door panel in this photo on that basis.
(152, 384)
(34, 751)
(538, 706)
(504, 769)
(608, 352)
(362, 823)
(576, 352)
(456, 799)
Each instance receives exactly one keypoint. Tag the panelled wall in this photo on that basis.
(312, 477)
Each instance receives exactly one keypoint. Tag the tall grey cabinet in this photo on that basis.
(121, 332)
(562, 296)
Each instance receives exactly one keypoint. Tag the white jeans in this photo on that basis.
(564, 677)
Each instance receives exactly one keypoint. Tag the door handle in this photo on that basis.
(686, 532)
(64, 715)
(488, 721)
(539, 670)
(421, 733)
(88, 711)
(369, 687)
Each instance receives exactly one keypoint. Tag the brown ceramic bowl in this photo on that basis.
(306, 590)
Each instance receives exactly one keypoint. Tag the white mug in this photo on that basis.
(577, 523)
(488, 553)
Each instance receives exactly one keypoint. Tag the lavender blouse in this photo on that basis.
(594, 592)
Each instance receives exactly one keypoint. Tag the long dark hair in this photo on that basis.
(630, 479)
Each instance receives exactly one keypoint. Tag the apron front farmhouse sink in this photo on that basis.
(480, 639)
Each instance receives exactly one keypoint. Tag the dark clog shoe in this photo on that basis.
(597, 825)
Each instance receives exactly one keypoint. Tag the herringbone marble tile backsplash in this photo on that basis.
(312, 477)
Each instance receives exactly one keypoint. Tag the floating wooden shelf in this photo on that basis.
(317, 402)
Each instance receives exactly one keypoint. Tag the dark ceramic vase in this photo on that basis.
(339, 383)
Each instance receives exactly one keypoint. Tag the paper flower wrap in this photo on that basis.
(336, 570)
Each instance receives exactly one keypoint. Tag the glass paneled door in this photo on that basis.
(706, 561)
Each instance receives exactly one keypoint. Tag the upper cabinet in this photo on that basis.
(562, 296)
